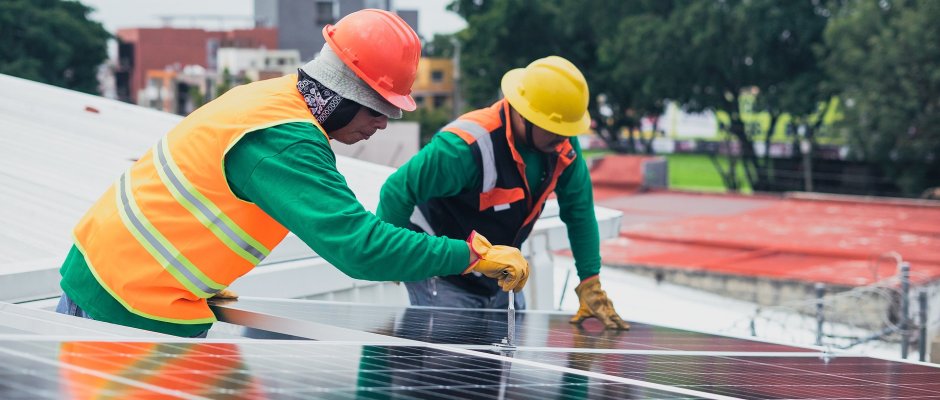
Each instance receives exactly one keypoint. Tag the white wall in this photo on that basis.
(390, 147)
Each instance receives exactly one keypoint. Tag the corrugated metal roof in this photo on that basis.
(59, 150)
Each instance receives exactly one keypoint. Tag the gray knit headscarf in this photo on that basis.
(329, 70)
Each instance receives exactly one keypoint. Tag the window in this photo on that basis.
(419, 100)
(439, 101)
(437, 76)
(324, 10)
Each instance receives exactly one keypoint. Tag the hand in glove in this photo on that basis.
(504, 263)
(225, 294)
(594, 303)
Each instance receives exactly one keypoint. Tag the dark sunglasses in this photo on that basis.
(373, 112)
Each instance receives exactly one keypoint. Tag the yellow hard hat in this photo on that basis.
(551, 93)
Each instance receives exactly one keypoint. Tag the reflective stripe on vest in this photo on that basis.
(482, 138)
(204, 209)
(158, 246)
(485, 142)
(170, 232)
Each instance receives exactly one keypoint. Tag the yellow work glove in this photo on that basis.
(225, 294)
(594, 303)
(504, 263)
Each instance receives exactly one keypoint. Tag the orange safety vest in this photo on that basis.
(503, 206)
(170, 233)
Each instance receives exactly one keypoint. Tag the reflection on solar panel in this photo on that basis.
(485, 327)
(761, 377)
(707, 365)
(376, 352)
(303, 370)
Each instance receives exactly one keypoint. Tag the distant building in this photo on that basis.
(299, 22)
(155, 66)
(434, 85)
(177, 90)
(147, 49)
(257, 64)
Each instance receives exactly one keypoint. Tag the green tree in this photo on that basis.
(441, 46)
(884, 59)
(706, 54)
(703, 54)
(629, 47)
(52, 41)
(502, 35)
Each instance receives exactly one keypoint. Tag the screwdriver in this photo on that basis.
(512, 318)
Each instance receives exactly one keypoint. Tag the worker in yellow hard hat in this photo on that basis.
(491, 171)
(217, 193)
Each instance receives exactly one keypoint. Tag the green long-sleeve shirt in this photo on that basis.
(445, 167)
(290, 172)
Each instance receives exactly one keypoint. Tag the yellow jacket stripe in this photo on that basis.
(170, 232)
(128, 306)
(204, 209)
(159, 247)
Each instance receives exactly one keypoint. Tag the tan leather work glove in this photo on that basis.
(504, 263)
(594, 303)
(225, 294)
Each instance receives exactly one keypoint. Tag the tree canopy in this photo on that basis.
(884, 59)
(52, 41)
(701, 54)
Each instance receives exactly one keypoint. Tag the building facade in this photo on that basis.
(146, 49)
(257, 64)
(299, 22)
(434, 85)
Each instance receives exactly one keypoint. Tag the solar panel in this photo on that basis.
(702, 363)
(368, 351)
(471, 328)
(759, 376)
(266, 369)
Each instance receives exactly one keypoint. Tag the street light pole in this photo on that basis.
(806, 148)
(458, 106)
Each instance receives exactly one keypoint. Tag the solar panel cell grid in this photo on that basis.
(485, 327)
(48, 369)
(761, 377)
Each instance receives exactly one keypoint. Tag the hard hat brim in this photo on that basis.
(510, 83)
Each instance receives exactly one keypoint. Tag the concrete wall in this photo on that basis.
(391, 147)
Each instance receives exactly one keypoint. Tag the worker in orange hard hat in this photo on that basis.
(215, 195)
(492, 170)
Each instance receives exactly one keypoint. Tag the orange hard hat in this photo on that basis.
(381, 49)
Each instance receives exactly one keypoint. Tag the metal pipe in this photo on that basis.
(905, 308)
(564, 289)
(820, 293)
(922, 299)
(753, 324)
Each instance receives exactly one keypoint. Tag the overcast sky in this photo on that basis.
(114, 14)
